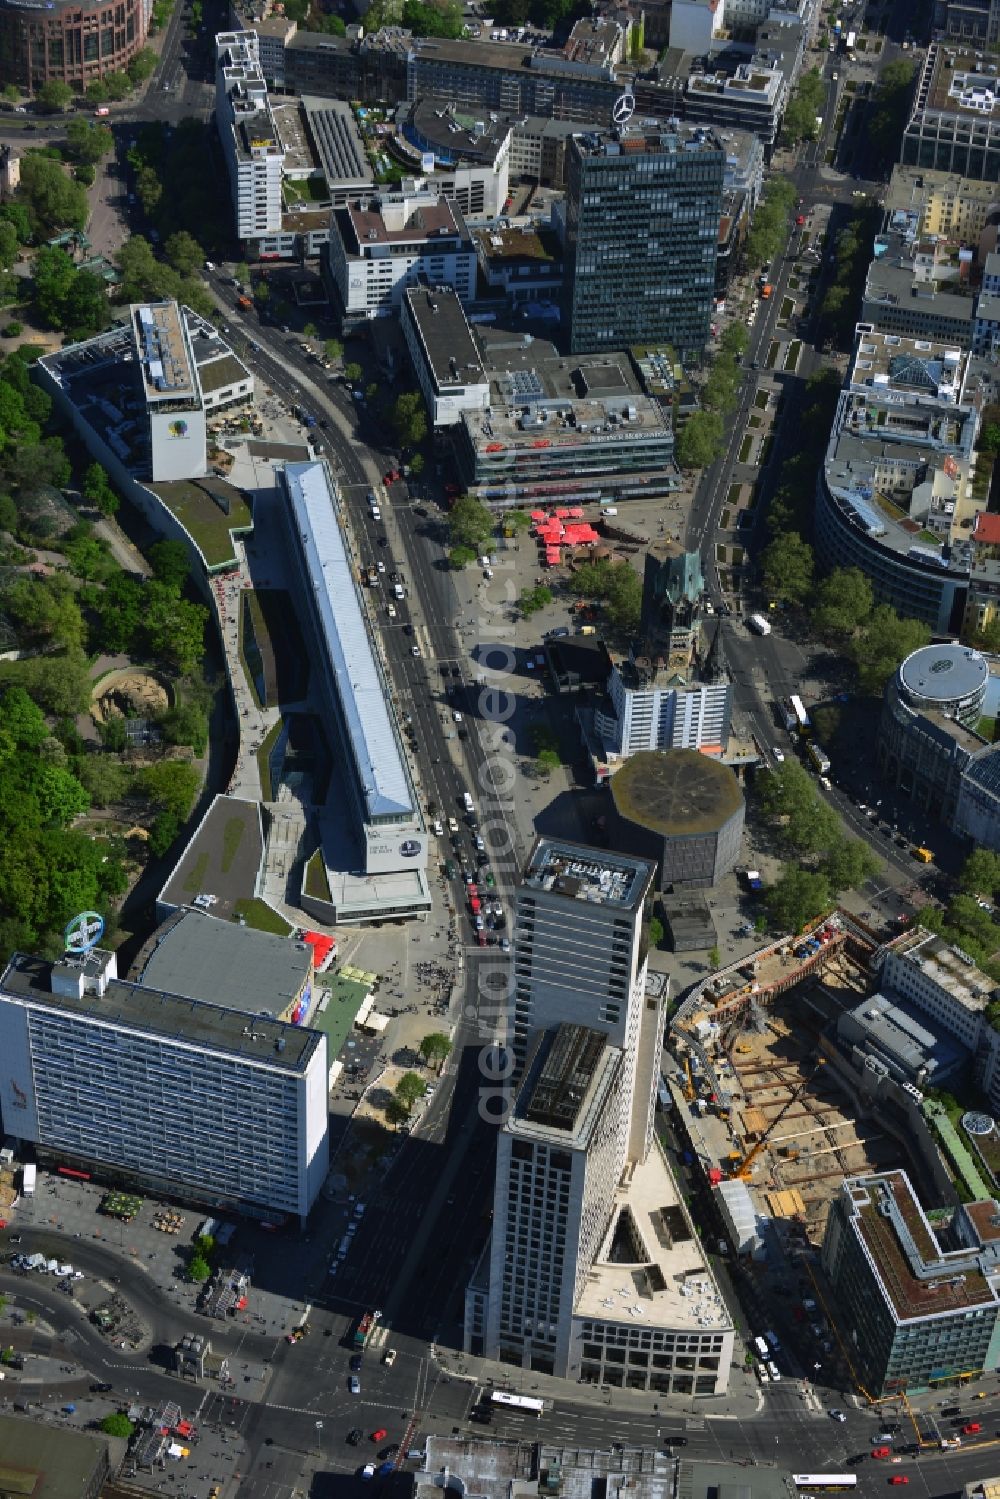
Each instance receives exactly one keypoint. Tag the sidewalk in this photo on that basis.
(743, 1400)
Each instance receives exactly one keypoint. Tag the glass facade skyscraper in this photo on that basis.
(642, 231)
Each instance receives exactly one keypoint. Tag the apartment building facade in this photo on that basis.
(187, 1097)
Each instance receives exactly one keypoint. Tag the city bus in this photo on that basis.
(826, 1481)
(525, 1403)
(800, 718)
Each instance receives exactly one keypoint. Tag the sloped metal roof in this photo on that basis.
(344, 631)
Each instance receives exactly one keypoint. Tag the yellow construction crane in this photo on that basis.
(742, 1170)
(689, 1089)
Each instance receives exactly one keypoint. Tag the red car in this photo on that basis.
(971, 1428)
(880, 1451)
(800, 219)
(392, 476)
(380, 1435)
(899, 1478)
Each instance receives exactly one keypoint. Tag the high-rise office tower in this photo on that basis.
(592, 1270)
(642, 231)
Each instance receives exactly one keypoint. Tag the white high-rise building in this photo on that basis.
(191, 1097)
(593, 1271)
(253, 150)
(654, 714)
(380, 245)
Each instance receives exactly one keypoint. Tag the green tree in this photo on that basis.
(142, 65)
(826, 721)
(59, 683)
(787, 565)
(164, 829)
(699, 442)
(532, 600)
(470, 522)
(735, 339)
(170, 563)
(409, 419)
(461, 556)
(714, 957)
(416, 465)
(981, 873)
(261, 292)
(118, 85)
(10, 93)
(118, 1425)
(806, 103)
(805, 823)
(396, 1113)
(53, 275)
(883, 643)
(797, 896)
(309, 330)
(44, 611)
(96, 92)
(204, 1244)
(655, 932)
(353, 373)
(8, 245)
(441, 18)
(174, 628)
(87, 141)
(333, 348)
(54, 202)
(546, 761)
(97, 491)
(848, 862)
(171, 785)
(624, 605)
(54, 95)
(435, 1048)
(184, 252)
(198, 1269)
(105, 779)
(409, 1088)
(85, 310)
(844, 602)
(771, 221)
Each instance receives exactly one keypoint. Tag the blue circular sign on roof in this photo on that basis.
(84, 932)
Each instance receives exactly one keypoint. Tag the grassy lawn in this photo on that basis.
(724, 521)
(250, 662)
(772, 354)
(311, 190)
(732, 498)
(195, 878)
(745, 447)
(258, 914)
(793, 283)
(787, 307)
(792, 357)
(204, 521)
(720, 553)
(755, 422)
(232, 837)
(760, 400)
(765, 451)
(263, 757)
(317, 885)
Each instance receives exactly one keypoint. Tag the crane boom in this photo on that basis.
(741, 1172)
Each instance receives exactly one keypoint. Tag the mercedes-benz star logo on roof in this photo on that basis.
(623, 109)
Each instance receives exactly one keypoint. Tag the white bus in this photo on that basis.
(798, 713)
(519, 1402)
(825, 1480)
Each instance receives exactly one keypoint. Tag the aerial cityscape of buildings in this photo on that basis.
(555, 1051)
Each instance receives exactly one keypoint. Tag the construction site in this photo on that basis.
(759, 1090)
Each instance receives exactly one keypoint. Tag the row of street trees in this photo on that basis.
(826, 860)
(702, 438)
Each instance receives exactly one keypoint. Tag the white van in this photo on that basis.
(774, 1371)
(467, 799)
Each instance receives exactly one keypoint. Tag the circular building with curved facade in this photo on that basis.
(927, 733)
(73, 41)
(683, 809)
(950, 679)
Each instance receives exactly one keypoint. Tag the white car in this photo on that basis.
(389, 1358)
(457, 716)
(778, 754)
(438, 828)
(368, 1471)
(838, 1415)
(414, 650)
(380, 566)
(390, 609)
(376, 513)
